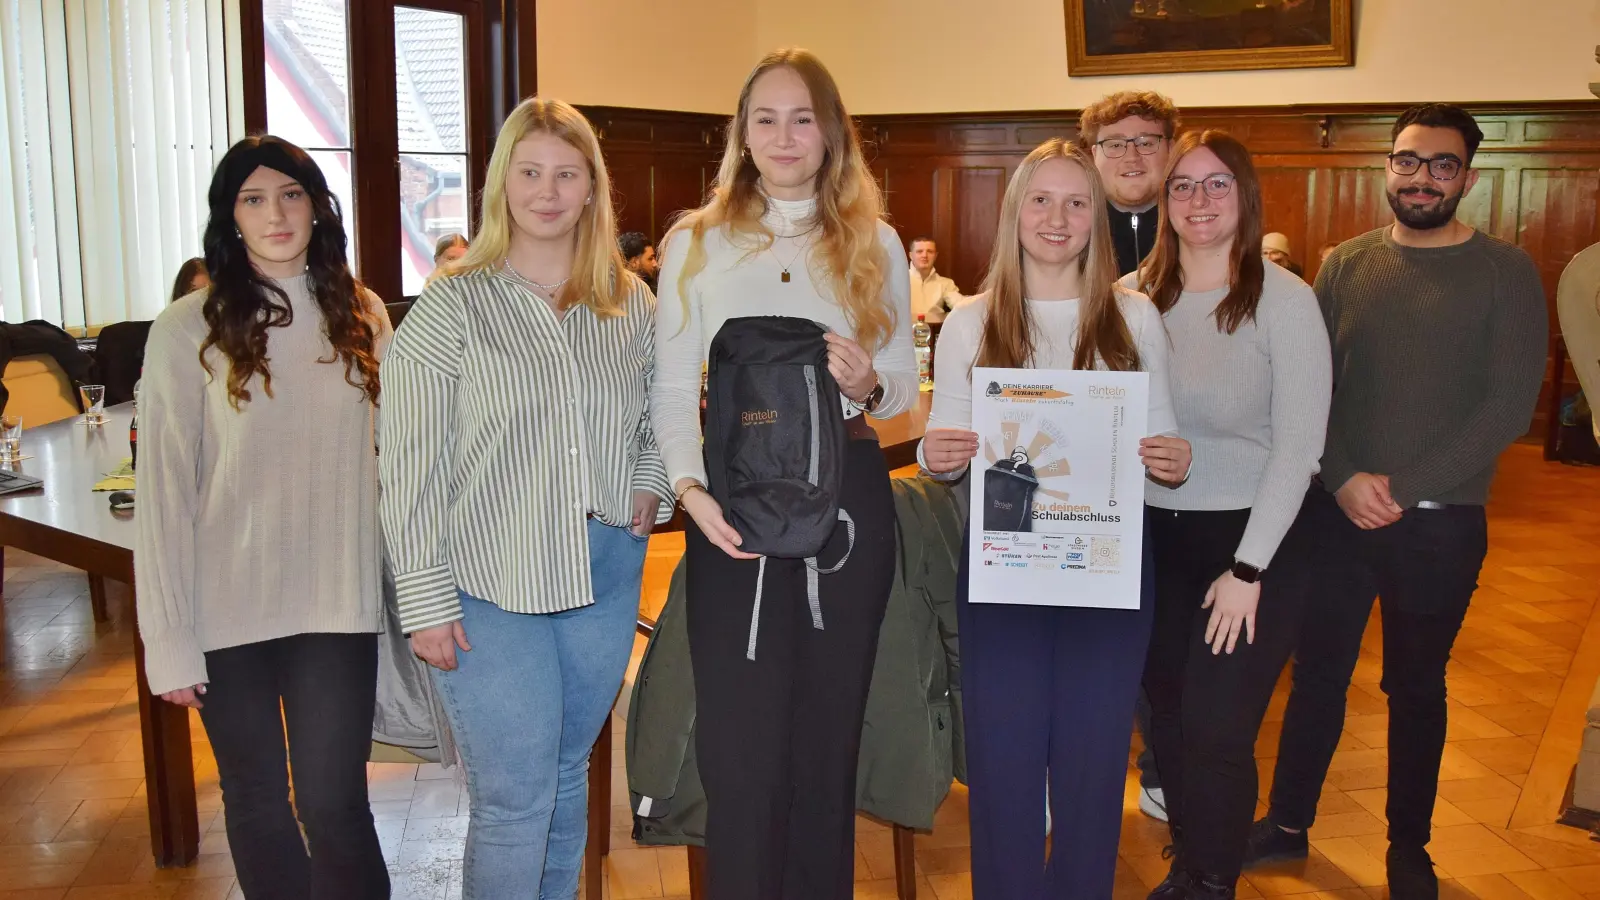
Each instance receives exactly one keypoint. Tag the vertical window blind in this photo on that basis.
(115, 113)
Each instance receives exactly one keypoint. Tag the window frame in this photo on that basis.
(495, 31)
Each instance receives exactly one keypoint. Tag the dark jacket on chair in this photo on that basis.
(912, 740)
(39, 336)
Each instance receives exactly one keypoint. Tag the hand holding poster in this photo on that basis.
(1057, 487)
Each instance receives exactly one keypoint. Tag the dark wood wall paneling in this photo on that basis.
(660, 162)
(1322, 172)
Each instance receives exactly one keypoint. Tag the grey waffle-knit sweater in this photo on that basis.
(1437, 358)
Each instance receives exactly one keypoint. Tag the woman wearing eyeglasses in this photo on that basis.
(1251, 381)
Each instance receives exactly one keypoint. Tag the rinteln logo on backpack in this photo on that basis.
(758, 417)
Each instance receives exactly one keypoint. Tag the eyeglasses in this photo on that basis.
(1216, 187)
(1442, 168)
(1116, 148)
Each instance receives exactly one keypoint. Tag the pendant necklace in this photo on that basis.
(793, 237)
(529, 282)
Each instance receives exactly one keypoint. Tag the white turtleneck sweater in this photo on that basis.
(739, 281)
(256, 523)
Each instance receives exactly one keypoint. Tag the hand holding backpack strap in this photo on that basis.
(851, 366)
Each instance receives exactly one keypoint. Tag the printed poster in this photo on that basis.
(1057, 487)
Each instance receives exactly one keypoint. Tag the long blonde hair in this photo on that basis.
(1008, 336)
(597, 272)
(849, 203)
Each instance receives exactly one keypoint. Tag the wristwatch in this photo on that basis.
(874, 397)
(1247, 573)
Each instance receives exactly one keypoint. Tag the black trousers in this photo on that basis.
(1206, 708)
(326, 685)
(1425, 567)
(777, 737)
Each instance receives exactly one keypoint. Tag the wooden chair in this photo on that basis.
(905, 860)
(1552, 412)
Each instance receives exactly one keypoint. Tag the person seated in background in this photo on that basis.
(192, 276)
(932, 294)
(450, 248)
(119, 349)
(1275, 249)
(1326, 251)
(639, 255)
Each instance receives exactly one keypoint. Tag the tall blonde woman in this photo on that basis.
(1048, 689)
(792, 229)
(521, 483)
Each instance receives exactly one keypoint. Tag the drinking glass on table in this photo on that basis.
(94, 404)
(10, 439)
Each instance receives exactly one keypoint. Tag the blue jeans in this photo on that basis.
(526, 705)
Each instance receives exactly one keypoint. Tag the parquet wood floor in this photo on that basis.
(72, 818)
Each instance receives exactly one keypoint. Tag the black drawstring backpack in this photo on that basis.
(775, 444)
(1008, 489)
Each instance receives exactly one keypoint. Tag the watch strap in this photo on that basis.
(1246, 573)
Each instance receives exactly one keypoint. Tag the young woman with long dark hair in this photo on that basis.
(792, 228)
(521, 482)
(257, 556)
(1251, 382)
(1047, 689)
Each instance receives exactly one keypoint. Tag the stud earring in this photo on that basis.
(313, 223)
(238, 234)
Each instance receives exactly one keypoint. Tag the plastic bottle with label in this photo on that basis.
(922, 337)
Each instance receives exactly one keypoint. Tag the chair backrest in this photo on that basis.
(39, 391)
(397, 311)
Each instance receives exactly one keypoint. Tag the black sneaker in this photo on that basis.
(1411, 874)
(1176, 885)
(1210, 887)
(1269, 844)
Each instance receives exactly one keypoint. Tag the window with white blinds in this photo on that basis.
(115, 113)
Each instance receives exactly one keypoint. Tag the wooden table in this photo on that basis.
(899, 436)
(69, 523)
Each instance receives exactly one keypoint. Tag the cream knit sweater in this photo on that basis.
(259, 523)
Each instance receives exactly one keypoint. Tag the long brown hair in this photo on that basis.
(849, 203)
(243, 303)
(1103, 335)
(597, 271)
(1162, 278)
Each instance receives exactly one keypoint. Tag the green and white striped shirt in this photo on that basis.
(502, 428)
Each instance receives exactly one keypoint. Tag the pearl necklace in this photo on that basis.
(525, 280)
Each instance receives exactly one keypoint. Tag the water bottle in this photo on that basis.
(133, 426)
(922, 337)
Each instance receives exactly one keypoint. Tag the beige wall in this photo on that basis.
(688, 55)
(905, 56)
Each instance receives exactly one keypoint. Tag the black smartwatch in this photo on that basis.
(1247, 573)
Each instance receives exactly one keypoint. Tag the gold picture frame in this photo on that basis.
(1127, 37)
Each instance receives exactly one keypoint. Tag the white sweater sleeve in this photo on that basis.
(172, 413)
(952, 374)
(1155, 349)
(680, 352)
(896, 363)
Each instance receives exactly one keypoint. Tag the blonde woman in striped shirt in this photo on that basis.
(520, 484)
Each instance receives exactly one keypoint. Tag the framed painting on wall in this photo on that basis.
(1124, 37)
